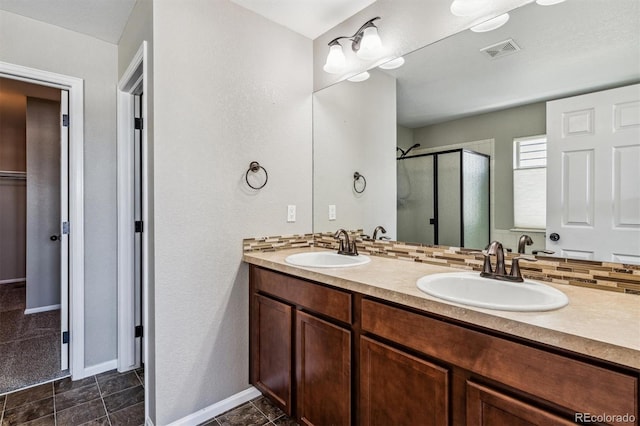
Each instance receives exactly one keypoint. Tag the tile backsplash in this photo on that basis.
(607, 276)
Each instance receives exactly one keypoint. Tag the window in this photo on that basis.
(530, 182)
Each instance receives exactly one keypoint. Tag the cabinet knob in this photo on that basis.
(554, 237)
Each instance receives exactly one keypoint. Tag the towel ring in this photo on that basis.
(255, 167)
(356, 177)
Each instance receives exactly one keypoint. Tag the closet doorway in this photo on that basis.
(34, 247)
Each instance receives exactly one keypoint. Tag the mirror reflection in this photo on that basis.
(484, 95)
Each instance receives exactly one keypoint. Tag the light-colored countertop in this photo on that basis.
(596, 323)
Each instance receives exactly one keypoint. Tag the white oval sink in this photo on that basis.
(468, 288)
(322, 259)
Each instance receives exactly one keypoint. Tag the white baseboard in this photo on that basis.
(41, 309)
(218, 408)
(98, 368)
(13, 280)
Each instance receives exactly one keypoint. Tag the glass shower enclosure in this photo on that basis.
(444, 198)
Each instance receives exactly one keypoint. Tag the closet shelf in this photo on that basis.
(6, 174)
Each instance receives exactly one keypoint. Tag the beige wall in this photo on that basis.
(35, 44)
(354, 129)
(503, 126)
(230, 87)
(13, 153)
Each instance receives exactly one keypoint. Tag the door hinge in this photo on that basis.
(65, 120)
(138, 226)
(65, 227)
(137, 123)
(65, 337)
(138, 331)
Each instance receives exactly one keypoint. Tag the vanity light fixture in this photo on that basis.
(548, 2)
(360, 77)
(365, 42)
(393, 64)
(468, 7)
(491, 24)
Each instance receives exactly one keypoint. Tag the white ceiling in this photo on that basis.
(311, 18)
(570, 48)
(103, 19)
(106, 19)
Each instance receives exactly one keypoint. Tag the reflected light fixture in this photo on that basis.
(360, 77)
(548, 2)
(491, 24)
(393, 64)
(468, 7)
(365, 42)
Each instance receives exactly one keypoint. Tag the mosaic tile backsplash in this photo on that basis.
(599, 275)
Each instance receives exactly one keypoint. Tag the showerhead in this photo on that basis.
(403, 153)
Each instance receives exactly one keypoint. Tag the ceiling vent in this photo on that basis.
(501, 49)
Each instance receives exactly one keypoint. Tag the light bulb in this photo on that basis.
(370, 45)
(467, 7)
(392, 64)
(491, 24)
(548, 2)
(359, 77)
(336, 61)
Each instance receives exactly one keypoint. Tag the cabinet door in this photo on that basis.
(488, 407)
(272, 355)
(400, 389)
(323, 372)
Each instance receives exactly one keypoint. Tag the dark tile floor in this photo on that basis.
(109, 398)
(259, 411)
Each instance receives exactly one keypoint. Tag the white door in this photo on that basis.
(593, 176)
(64, 229)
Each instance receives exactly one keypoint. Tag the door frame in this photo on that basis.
(76, 311)
(135, 75)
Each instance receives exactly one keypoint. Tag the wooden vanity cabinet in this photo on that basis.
(333, 357)
(397, 388)
(300, 347)
(271, 337)
(488, 407)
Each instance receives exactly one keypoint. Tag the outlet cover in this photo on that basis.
(291, 213)
(332, 212)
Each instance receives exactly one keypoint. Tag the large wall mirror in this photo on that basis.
(490, 98)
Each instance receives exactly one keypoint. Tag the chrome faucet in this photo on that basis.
(524, 240)
(346, 247)
(500, 273)
(375, 233)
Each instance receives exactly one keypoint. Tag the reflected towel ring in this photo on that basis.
(255, 167)
(356, 177)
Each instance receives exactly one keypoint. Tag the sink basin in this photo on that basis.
(322, 259)
(468, 288)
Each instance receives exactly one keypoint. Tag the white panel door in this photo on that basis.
(593, 176)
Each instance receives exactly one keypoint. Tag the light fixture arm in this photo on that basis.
(357, 37)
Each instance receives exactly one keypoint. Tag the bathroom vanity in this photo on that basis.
(361, 345)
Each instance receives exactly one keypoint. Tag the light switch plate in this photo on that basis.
(291, 213)
(332, 212)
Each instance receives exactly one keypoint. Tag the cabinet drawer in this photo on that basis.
(487, 407)
(327, 301)
(572, 384)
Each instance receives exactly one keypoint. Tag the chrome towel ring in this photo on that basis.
(356, 177)
(255, 167)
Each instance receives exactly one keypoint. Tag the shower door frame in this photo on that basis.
(435, 188)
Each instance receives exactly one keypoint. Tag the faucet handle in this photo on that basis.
(543, 252)
(515, 266)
